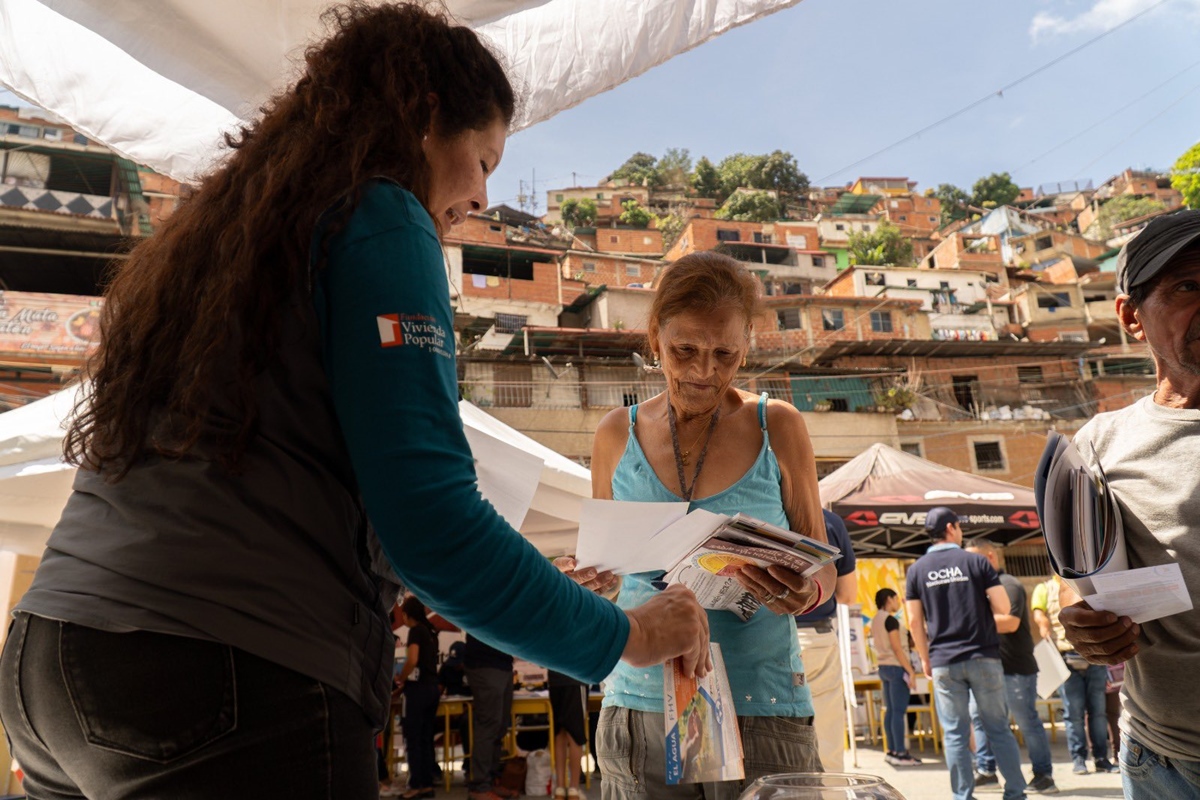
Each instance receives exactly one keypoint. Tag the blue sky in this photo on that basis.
(834, 80)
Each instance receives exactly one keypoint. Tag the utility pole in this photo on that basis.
(522, 199)
(533, 194)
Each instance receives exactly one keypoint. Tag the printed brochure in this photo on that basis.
(703, 742)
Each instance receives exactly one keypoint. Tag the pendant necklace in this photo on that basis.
(681, 457)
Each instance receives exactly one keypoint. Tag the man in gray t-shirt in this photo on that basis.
(1151, 454)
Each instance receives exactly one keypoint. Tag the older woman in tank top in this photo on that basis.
(727, 451)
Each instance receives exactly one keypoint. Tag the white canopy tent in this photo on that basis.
(159, 81)
(35, 481)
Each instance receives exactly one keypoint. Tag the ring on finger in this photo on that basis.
(784, 596)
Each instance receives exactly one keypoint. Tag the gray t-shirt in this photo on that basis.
(1151, 455)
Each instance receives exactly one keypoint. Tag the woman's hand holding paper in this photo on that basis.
(605, 583)
(780, 589)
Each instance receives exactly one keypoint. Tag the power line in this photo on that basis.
(1106, 118)
(998, 93)
(1144, 125)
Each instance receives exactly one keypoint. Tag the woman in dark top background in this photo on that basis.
(421, 693)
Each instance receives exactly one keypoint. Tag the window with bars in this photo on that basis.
(790, 319)
(1032, 374)
(510, 323)
(881, 321)
(989, 456)
(833, 319)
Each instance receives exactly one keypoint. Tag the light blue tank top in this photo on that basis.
(762, 655)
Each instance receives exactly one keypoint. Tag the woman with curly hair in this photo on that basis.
(270, 447)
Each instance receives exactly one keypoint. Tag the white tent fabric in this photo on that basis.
(159, 81)
(35, 482)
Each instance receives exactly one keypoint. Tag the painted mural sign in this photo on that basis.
(54, 325)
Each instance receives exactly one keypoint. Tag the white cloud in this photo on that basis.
(1102, 15)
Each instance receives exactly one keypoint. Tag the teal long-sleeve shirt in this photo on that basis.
(383, 302)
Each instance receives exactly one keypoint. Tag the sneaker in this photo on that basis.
(986, 779)
(1042, 784)
(892, 758)
(905, 760)
(1104, 765)
(1080, 767)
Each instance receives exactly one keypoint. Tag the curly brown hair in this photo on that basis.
(201, 299)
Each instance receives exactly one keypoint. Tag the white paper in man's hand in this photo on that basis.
(1141, 594)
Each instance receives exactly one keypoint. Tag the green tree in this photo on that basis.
(954, 202)
(1121, 208)
(706, 181)
(635, 215)
(579, 213)
(1185, 176)
(995, 190)
(673, 222)
(779, 171)
(750, 207)
(640, 169)
(775, 171)
(675, 167)
(884, 246)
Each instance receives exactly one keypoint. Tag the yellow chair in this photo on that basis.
(930, 730)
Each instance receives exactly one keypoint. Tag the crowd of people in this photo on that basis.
(270, 453)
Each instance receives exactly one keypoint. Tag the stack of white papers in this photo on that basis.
(702, 550)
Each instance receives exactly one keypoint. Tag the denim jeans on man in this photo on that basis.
(1084, 691)
(148, 715)
(953, 686)
(1021, 692)
(1145, 775)
(895, 706)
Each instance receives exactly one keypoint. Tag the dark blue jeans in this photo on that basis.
(1021, 691)
(145, 715)
(1145, 775)
(895, 706)
(1084, 693)
(420, 723)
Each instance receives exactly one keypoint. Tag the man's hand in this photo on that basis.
(667, 625)
(926, 667)
(1100, 636)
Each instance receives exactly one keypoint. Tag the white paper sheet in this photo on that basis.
(508, 476)
(1052, 670)
(614, 535)
(1141, 594)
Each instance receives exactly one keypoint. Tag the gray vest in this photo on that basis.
(276, 558)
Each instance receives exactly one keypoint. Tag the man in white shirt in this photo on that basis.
(1151, 454)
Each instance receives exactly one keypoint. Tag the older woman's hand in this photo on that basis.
(779, 589)
(604, 583)
(669, 624)
(1100, 636)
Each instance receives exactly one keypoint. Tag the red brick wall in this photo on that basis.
(629, 241)
(542, 289)
(478, 230)
(610, 271)
(922, 215)
(701, 234)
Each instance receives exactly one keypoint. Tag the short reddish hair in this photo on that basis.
(704, 282)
